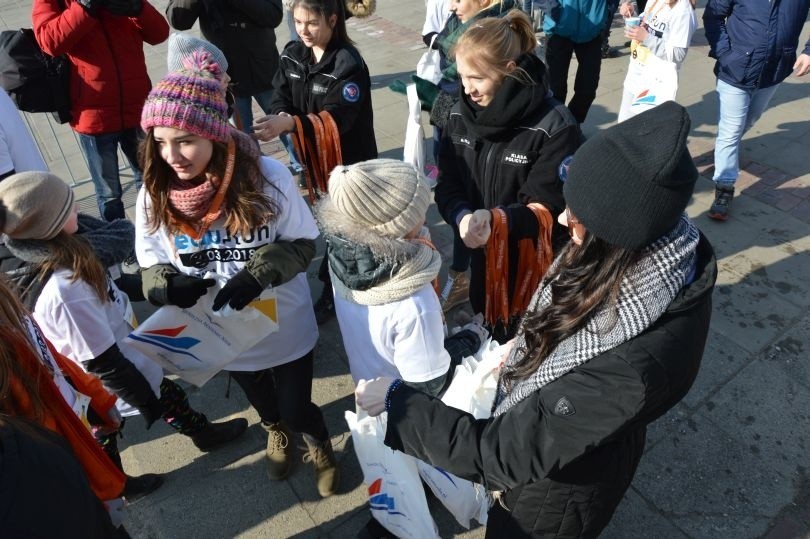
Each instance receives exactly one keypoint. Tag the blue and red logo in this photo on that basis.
(644, 98)
(380, 501)
(169, 339)
(351, 92)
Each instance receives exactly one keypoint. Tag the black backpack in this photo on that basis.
(35, 81)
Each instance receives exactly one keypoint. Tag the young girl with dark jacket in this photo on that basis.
(323, 72)
(613, 339)
(503, 144)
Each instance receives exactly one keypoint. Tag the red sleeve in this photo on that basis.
(153, 26)
(57, 30)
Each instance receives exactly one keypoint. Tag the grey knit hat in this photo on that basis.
(182, 45)
(630, 183)
(387, 196)
(34, 205)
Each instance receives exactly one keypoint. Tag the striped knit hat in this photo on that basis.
(190, 99)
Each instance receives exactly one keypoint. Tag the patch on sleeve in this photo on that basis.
(351, 92)
(564, 408)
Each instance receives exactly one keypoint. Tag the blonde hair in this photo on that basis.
(492, 43)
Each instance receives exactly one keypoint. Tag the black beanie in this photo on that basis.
(630, 183)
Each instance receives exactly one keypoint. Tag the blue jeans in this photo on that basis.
(739, 110)
(243, 106)
(101, 152)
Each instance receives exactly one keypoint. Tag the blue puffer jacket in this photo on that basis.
(577, 20)
(754, 41)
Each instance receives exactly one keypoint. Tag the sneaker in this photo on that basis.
(279, 450)
(456, 290)
(608, 51)
(325, 306)
(217, 434)
(722, 203)
(139, 486)
(322, 457)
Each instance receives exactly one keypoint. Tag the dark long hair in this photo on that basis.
(586, 280)
(72, 252)
(247, 205)
(327, 8)
(14, 340)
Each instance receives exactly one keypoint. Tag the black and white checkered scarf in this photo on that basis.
(645, 292)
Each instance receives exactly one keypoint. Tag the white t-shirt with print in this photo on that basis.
(226, 254)
(82, 327)
(674, 24)
(403, 339)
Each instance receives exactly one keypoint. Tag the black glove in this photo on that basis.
(124, 8)
(122, 378)
(185, 290)
(240, 290)
(91, 6)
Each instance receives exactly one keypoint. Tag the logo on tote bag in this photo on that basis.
(169, 339)
(380, 500)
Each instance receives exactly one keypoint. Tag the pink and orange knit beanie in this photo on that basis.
(190, 99)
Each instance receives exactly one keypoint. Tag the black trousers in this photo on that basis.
(284, 393)
(559, 51)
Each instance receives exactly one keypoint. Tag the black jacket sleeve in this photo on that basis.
(543, 184)
(282, 100)
(450, 193)
(122, 378)
(182, 14)
(266, 13)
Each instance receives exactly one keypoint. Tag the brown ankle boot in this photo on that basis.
(279, 450)
(323, 459)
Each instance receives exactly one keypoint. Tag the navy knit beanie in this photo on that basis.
(629, 184)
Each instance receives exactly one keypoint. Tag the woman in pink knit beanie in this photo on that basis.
(211, 202)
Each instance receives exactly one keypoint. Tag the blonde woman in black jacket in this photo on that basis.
(502, 145)
(613, 339)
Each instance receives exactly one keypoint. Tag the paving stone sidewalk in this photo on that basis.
(730, 461)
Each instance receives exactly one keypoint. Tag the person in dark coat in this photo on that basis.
(323, 72)
(503, 143)
(613, 340)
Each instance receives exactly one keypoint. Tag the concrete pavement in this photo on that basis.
(730, 461)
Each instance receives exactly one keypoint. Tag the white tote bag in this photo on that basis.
(414, 148)
(429, 65)
(196, 343)
(650, 81)
(395, 494)
(473, 391)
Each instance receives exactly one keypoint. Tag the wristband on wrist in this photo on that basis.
(393, 387)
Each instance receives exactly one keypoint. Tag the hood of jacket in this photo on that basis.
(513, 101)
(360, 258)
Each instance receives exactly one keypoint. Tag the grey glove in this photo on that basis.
(124, 8)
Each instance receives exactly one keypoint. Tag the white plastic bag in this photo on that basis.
(650, 81)
(473, 391)
(414, 148)
(196, 343)
(395, 494)
(429, 65)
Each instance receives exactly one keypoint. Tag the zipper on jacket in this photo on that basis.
(117, 76)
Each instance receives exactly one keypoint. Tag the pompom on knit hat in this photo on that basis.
(190, 99)
(630, 183)
(183, 45)
(34, 205)
(388, 196)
